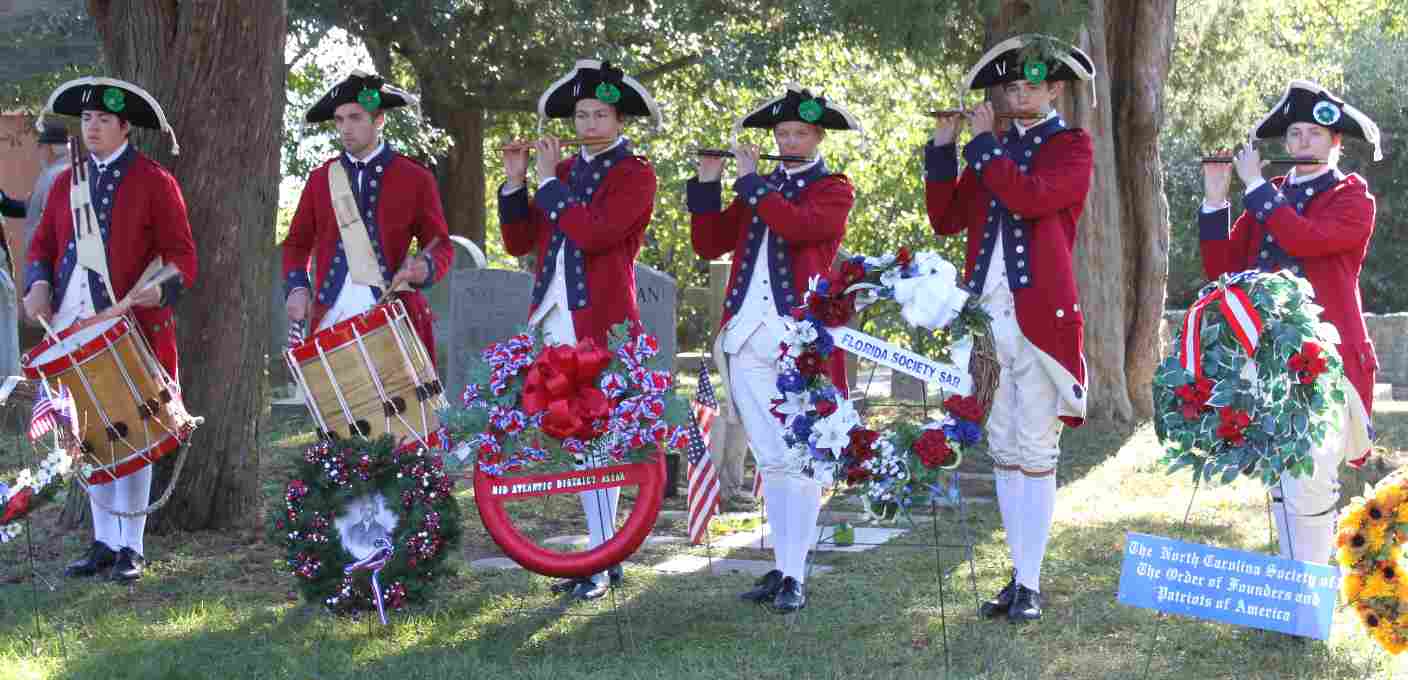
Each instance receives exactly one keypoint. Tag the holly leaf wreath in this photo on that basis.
(1254, 384)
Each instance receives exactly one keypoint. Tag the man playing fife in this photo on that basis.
(782, 230)
(1018, 202)
(584, 225)
(391, 197)
(1316, 222)
(141, 218)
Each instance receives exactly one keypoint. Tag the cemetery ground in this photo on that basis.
(221, 604)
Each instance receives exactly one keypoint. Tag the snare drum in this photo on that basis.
(129, 410)
(369, 375)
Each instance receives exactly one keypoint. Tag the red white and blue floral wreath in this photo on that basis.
(907, 463)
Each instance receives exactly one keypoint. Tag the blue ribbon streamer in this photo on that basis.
(375, 562)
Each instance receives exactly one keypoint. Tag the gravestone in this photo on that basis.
(474, 307)
(656, 296)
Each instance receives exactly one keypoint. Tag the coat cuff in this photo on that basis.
(552, 199)
(982, 150)
(10, 207)
(1263, 201)
(704, 197)
(513, 207)
(296, 279)
(36, 272)
(171, 291)
(751, 187)
(1215, 225)
(940, 162)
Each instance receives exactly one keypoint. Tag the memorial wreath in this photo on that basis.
(334, 474)
(909, 462)
(1254, 382)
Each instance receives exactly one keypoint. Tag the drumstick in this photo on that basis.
(48, 330)
(162, 275)
(403, 286)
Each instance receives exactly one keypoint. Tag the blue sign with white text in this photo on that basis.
(1229, 586)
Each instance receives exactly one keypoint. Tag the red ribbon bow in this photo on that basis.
(562, 382)
(18, 506)
(1241, 317)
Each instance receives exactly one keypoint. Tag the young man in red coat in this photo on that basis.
(1018, 202)
(782, 230)
(141, 217)
(584, 225)
(396, 199)
(1316, 221)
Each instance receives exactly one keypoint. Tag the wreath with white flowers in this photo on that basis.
(1255, 381)
(1369, 547)
(32, 489)
(908, 463)
(330, 476)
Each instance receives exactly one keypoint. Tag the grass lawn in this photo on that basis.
(220, 605)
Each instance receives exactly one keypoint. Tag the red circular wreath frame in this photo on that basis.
(649, 475)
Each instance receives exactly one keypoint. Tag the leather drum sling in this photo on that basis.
(356, 243)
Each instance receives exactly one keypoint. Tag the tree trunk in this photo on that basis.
(1122, 238)
(462, 185)
(217, 69)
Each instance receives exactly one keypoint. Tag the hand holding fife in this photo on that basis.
(36, 302)
(1248, 164)
(1217, 177)
(747, 157)
(296, 306)
(711, 168)
(516, 165)
(946, 129)
(983, 118)
(549, 154)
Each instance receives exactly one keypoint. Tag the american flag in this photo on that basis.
(757, 484)
(50, 411)
(703, 478)
(295, 333)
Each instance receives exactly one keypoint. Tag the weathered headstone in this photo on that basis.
(474, 307)
(655, 294)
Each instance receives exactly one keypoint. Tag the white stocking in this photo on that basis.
(1039, 502)
(1009, 505)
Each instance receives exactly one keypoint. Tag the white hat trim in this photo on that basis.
(112, 82)
(596, 64)
(791, 86)
(1370, 128)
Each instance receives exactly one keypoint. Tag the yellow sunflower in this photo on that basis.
(1374, 536)
(1377, 586)
(1392, 498)
(1353, 517)
(1352, 587)
(1402, 515)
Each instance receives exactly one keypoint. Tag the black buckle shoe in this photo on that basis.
(1026, 606)
(588, 589)
(617, 574)
(999, 604)
(791, 597)
(129, 565)
(566, 585)
(99, 557)
(766, 588)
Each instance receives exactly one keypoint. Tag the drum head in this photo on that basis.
(48, 352)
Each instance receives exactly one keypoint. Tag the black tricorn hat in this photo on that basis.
(1030, 56)
(368, 89)
(1308, 102)
(594, 79)
(110, 95)
(798, 104)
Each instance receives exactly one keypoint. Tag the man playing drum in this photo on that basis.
(141, 216)
(394, 198)
(1019, 201)
(585, 224)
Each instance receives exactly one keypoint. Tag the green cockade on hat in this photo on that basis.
(608, 93)
(114, 99)
(369, 99)
(1035, 70)
(810, 110)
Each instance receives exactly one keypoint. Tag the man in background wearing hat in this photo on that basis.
(141, 216)
(584, 226)
(1315, 221)
(782, 229)
(392, 198)
(1018, 201)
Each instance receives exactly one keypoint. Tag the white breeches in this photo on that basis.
(128, 494)
(1023, 428)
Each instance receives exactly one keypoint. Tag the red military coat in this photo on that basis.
(1319, 229)
(1034, 187)
(399, 201)
(807, 215)
(597, 211)
(140, 206)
